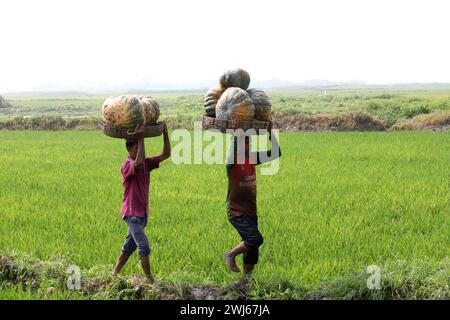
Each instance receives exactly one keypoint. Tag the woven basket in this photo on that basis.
(127, 133)
(222, 125)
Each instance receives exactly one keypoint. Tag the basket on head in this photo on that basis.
(260, 127)
(129, 134)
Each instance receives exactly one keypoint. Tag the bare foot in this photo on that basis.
(248, 268)
(231, 262)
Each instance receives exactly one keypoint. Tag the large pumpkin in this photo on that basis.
(235, 78)
(211, 98)
(123, 111)
(235, 103)
(151, 109)
(262, 104)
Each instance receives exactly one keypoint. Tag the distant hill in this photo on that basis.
(275, 84)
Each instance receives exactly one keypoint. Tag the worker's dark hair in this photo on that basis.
(129, 144)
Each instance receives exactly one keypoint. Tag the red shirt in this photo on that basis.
(241, 196)
(136, 185)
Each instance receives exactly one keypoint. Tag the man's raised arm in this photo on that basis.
(166, 150)
(273, 153)
(140, 154)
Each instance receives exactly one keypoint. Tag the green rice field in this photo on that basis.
(340, 202)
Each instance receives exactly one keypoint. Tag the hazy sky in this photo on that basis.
(90, 43)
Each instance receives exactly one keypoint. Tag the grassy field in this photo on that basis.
(340, 202)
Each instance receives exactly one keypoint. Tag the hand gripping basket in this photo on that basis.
(129, 134)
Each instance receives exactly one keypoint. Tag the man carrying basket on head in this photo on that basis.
(241, 198)
(136, 181)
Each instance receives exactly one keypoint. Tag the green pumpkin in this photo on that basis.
(262, 104)
(235, 103)
(235, 78)
(211, 98)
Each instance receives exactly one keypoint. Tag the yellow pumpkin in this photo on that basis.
(262, 104)
(235, 103)
(151, 109)
(122, 111)
(109, 116)
(130, 111)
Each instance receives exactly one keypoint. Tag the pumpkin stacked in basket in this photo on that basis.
(122, 114)
(231, 100)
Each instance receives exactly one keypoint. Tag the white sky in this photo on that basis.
(87, 43)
